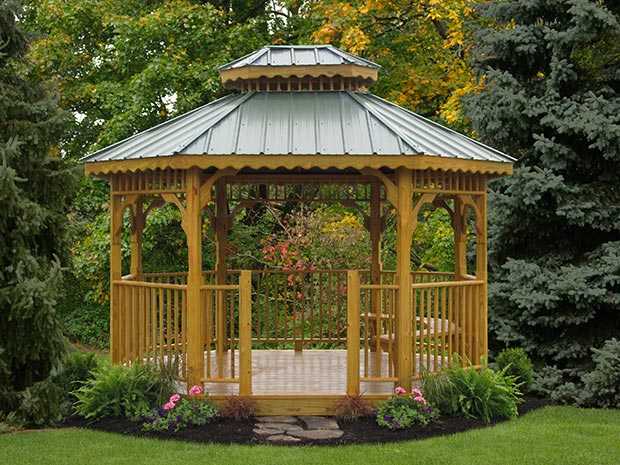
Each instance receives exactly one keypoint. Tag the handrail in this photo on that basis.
(149, 284)
(446, 284)
(379, 286)
(219, 287)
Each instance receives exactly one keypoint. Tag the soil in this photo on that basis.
(365, 430)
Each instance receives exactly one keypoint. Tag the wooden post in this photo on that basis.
(482, 273)
(245, 333)
(193, 230)
(460, 239)
(404, 232)
(221, 233)
(116, 227)
(137, 227)
(375, 228)
(353, 333)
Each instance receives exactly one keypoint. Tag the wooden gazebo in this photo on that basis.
(298, 116)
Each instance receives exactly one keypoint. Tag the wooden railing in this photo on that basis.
(227, 332)
(447, 320)
(151, 323)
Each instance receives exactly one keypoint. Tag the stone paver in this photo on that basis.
(283, 438)
(267, 431)
(320, 423)
(288, 429)
(277, 419)
(319, 434)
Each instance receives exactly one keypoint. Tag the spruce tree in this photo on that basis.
(551, 98)
(35, 192)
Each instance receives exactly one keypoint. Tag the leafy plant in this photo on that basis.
(351, 408)
(39, 405)
(482, 394)
(123, 391)
(602, 384)
(515, 362)
(180, 412)
(404, 410)
(238, 407)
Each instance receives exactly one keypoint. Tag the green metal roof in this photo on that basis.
(297, 124)
(298, 55)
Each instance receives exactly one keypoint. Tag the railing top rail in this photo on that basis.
(220, 287)
(150, 284)
(379, 286)
(447, 284)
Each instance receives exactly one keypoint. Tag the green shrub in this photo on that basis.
(602, 384)
(179, 413)
(77, 368)
(123, 391)
(404, 410)
(515, 362)
(480, 394)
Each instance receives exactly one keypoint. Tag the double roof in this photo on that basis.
(300, 123)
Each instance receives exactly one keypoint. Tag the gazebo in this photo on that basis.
(299, 116)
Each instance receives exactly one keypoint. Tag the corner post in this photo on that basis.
(245, 333)
(353, 332)
(193, 231)
(374, 229)
(137, 227)
(404, 233)
(482, 273)
(221, 233)
(116, 227)
(460, 237)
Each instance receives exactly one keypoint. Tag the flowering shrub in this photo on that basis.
(404, 410)
(180, 412)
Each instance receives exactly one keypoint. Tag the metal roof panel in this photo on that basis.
(299, 123)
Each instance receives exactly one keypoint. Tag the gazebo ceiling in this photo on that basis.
(303, 127)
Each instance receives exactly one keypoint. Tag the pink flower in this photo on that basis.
(174, 398)
(399, 391)
(416, 392)
(169, 405)
(420, 400)
(196, 390)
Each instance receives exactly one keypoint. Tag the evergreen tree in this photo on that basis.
(551, 98)
(35, 192)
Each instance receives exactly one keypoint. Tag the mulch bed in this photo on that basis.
(366, 430)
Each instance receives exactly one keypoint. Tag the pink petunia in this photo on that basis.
(169, 405)
(174, 398)
(399, 391)
(196, 390)
(420, 400)
(416, 392)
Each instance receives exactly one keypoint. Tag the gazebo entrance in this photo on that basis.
(298, 340)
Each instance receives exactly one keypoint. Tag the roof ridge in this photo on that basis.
(414, 146)
(242, 98)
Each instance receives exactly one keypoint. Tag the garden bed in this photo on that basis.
(229, 431)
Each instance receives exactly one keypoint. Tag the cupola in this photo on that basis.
(299, 68)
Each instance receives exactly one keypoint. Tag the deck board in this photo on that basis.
(285, 372)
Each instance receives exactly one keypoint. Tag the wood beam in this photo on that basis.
(193, 230)
(288, 162)
(375, 229)
(404, 231)
(116, 227)
(221, 239)
(138, 217)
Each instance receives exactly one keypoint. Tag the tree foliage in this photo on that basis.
(551, 98)
(35, 193)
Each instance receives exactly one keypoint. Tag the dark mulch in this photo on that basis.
(366, 430)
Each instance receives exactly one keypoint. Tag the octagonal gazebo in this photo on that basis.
(299, 116)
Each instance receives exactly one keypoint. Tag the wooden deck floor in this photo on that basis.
(286, 372)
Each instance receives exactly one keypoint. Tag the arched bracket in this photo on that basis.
(391, 190)
(207, 185)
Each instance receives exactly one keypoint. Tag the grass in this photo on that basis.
(553, 435)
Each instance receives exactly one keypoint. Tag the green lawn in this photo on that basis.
(554, 435)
